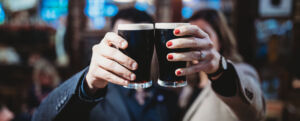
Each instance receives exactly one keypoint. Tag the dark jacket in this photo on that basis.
(66, 104)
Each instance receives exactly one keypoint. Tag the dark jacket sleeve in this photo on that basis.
(244, 96)
(64, 103)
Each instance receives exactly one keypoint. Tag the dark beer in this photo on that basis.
(140, 38)
(167, 77)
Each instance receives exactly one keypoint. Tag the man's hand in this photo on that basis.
(109, 64)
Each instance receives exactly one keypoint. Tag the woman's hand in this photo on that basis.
(109, 64)
(203, 55)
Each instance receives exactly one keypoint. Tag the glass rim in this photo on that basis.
(169, 25)
(137, 26)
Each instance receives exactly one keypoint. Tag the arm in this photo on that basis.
(239, 88)
(75, 98)
(67, 102)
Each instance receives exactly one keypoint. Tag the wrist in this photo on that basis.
(94, 93)
(222, 67)
(89, 89)
(89, 86)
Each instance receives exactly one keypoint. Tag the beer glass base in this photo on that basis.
(139, 85)
(172, 83)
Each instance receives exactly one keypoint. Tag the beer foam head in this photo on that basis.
(139, 26)
(169, 25)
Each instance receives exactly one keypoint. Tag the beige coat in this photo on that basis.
(247, 105)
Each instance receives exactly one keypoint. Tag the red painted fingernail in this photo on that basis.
(178, 72)
(169, 43)
(177, 31)
(170, 56)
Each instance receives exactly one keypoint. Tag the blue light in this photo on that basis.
(51, 10)
(94, 8)
(215, 4)
(142, 6)
(2, 15)
(111, 10)
(48, 14)
(187, 12)
(99, 22)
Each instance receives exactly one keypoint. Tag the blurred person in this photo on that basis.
(8, 55)
(5, 113)
(232, 95)
(96, 93)
(45, 79)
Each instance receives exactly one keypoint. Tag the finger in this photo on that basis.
(190, 42)
(192, 30)
(116, 55)
(114, 39)
(102, 74)
(201, 66)
(190, 56)
(115, 68)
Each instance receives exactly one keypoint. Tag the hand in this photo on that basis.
(203, 55)
(109, 64)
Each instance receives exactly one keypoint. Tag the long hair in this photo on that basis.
(43, 66)
(228, 43)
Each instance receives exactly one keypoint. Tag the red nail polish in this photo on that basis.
(170, 56)
(177, 31)
(169, 44)
(178, 72)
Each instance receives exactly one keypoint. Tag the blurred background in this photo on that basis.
(43, 42)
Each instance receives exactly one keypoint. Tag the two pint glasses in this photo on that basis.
(141, 39)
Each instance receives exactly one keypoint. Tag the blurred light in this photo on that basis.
(187, 12)
(48, 14)
(98, 22)
(186, 0)
(123, 1)
(51, 10)
(19, 5)
(94, 8)
(142, 6)
(111, 10)
(150, 2)
(289, 25)
(2, 14)
(216, 4)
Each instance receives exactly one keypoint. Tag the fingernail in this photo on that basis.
(169, 43)
(123, 44)
(177, 31)
(134, 65)
(178, 72)
(170, 56)
(132, 77)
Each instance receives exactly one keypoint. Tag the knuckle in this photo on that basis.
(109, 34)
(109, 77)
(113, 53)
(210, 64)
(127, 74)
(211, 56)
(128, 61)
(111, 64)
(210, 44)
(196, 55)
(195, 27)
(197, 69)
(195, 41)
